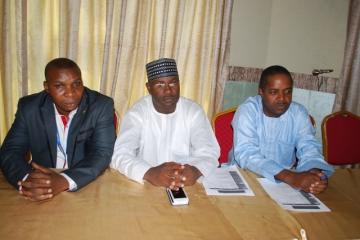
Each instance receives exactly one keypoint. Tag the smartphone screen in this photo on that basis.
(179, 193)
(177, 197)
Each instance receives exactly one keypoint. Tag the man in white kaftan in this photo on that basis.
(164, 138)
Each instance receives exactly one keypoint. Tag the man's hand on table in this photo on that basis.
(313, 181)
(42, 183)
(172, 175)
(189, 175)
(165, 175)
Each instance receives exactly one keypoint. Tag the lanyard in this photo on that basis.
(58, 143)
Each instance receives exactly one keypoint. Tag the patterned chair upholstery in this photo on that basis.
(340, 134)
(224, 132)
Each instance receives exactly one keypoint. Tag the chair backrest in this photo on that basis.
(340, 134)
(116, 121)
(224, 132)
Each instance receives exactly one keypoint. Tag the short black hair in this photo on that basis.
(61, 63)
(273, 70)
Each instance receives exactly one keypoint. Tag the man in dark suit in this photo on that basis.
(66, 126)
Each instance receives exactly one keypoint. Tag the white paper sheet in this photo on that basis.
(227, 181)
(292, 199)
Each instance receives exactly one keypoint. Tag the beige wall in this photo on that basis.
(250, 28)
(299, 34)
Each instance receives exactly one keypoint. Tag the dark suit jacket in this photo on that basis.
(90, 140)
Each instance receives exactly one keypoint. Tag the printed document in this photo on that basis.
(292, 199)
(227, 180)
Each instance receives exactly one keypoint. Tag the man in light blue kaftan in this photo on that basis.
(274, 137)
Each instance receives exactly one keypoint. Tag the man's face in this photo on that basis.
(277, 95)
(65, 88)
(165, 92)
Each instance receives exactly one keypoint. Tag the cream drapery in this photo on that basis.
(347, 95)
(112, 41)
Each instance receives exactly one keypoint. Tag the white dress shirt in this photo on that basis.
(61, 156)
(148, 138)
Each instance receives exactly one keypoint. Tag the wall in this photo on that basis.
(301, 35)
(250, 28)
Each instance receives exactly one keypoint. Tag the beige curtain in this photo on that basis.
(195, 33)
(112, 41)
(347, 96)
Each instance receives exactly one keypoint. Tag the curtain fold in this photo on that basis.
(112, 41)
(223, 69)
(21, 46)
(10, 75)
(347, 96)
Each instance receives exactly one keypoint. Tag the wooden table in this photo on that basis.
(113, 207)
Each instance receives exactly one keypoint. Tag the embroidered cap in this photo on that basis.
(162, 67)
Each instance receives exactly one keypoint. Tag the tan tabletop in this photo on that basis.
(113, 207)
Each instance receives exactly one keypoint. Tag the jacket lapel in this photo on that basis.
(75, 126)
(48, 117)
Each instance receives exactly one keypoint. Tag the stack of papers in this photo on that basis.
(292, 199)
(227, 181)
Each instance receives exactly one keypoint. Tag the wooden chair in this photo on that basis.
(340, 134)
(116, 122)
(224, 132)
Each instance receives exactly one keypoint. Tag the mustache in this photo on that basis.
(170, 97)
(70, 102)
(282, 105)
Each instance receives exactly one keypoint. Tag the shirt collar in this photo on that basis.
(71, 114)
